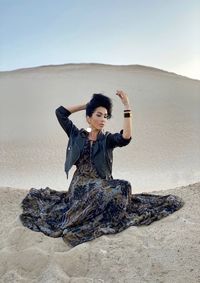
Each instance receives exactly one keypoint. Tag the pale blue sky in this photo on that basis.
(160, 33)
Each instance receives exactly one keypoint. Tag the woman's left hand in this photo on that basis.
(123, 96)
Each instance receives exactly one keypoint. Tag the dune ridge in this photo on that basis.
(78, 66)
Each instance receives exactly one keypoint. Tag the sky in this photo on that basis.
(157, 33)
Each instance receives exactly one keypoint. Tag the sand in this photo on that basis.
(165, 149)
(163, 157)
(165, 251)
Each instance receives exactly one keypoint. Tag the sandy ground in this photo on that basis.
(165, 251)
(165, 149)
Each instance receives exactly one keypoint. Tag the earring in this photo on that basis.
(88, 129)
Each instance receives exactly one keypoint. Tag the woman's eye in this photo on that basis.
(99, 115)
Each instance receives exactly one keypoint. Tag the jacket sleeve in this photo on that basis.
(117, 140)
(62, 115)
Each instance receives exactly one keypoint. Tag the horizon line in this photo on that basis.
(96, 63)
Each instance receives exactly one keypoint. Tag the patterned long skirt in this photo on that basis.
(92, 206)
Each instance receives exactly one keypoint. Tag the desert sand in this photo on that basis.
(165, 149)
(163, 157)
(165, 251)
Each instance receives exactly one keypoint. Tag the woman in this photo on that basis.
(95, 203)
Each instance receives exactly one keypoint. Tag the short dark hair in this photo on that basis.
(98, 99)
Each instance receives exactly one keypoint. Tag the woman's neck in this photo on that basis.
(93, 134)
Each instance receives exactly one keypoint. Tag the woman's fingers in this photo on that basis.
(123, 96)
(120, 93)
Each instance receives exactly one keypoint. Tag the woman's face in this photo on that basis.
(98, 119)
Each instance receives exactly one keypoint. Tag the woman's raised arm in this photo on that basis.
(127, 127)
(63, 114)
(76, 108)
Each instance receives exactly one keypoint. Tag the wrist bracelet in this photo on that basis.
(127, 115)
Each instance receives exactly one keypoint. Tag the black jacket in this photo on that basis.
(103, 148)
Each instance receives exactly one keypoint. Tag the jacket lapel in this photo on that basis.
(96, 148)
(81, 140)
(98, 143)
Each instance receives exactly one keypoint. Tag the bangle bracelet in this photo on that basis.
(127, 115)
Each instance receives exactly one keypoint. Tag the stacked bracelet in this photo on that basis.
(127, 113)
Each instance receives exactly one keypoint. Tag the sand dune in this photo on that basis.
(164, 152)
(165, 251)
